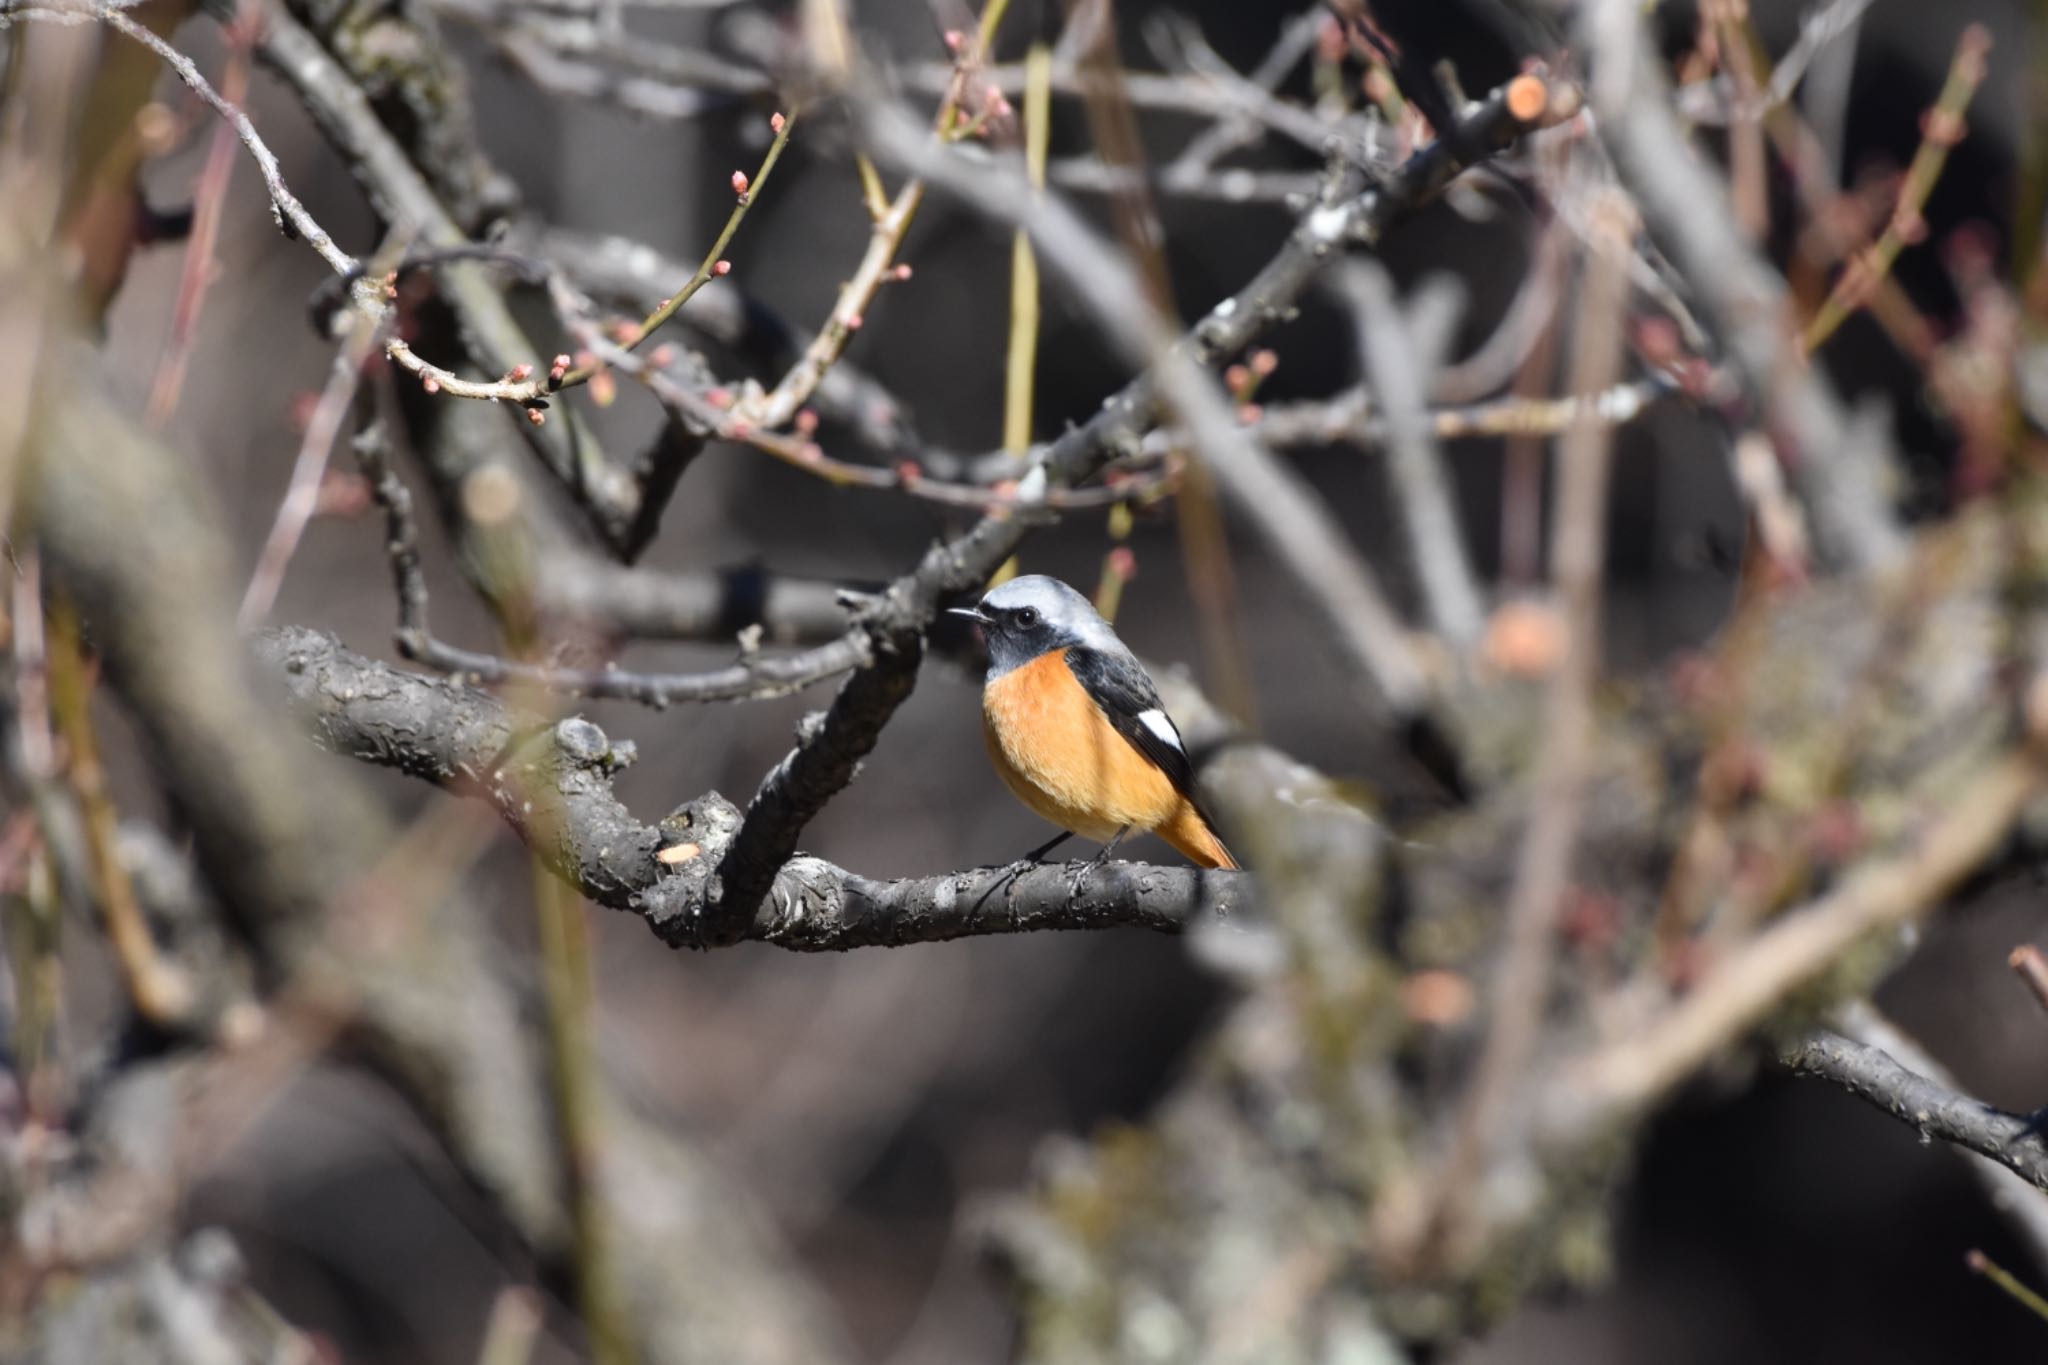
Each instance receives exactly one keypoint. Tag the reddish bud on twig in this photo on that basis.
(1836, 832)
(1525, 639)
(1331, 45)
(1236, 377)
(536, 416)
(1437, 998)
(955, 39)
(806, 421)
(1264, 361)
(739, 182)
(341, 495)
(718, 398)
(908, 471)
(853, 323)
(1527, 97)
(1943, 128)
(1123, 562)
(722, 268)
(1659, 340)
(558, 368)
(777, 122)
(661, 356)
(520, 373)
(901, 272)
(1591, 919)
(431, 384)
(2033, 969)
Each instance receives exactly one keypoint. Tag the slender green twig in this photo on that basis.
(1943, 129)
(1023, 355)
(2007, 1281)
(160, 993)
(784, 125)
(525, 387)
(565, 973)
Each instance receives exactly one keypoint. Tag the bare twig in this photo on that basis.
(2032, 966)
(302, 493)
(2014, 1141)
(208, 199)
(1401, 353)
(291, 215)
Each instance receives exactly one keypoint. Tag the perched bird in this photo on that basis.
(1075, 727)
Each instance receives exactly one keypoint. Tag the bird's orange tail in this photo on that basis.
(1189, 832)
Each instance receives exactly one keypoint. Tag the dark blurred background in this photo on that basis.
(871, 1100)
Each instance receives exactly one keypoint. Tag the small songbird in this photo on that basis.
(1075, 727)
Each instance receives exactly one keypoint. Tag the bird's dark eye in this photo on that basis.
(1027, 617)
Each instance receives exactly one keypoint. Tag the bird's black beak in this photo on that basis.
(973, 614)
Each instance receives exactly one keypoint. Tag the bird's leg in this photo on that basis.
(1037, 855)
(1080, 876)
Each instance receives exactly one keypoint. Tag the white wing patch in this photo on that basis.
(1155, 720)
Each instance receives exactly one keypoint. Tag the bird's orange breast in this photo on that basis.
(1061, 756)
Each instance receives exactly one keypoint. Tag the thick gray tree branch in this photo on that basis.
(552, 783)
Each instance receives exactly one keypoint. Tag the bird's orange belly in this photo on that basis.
(1056, 750)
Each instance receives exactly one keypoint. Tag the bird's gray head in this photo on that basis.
(1032, 615)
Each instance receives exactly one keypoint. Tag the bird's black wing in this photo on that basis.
(1126, 695)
